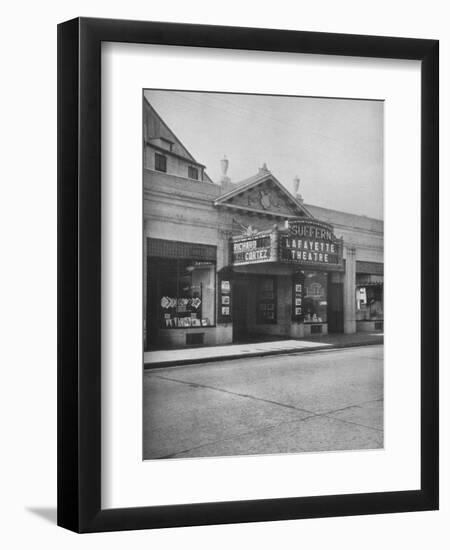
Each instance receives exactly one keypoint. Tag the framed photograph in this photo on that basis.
(225, 286)
(231, 175)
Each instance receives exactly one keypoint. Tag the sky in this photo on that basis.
(335, 146)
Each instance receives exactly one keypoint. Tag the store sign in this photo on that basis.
(251, 250)
(310, 242)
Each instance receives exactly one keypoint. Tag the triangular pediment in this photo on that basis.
(263, 194)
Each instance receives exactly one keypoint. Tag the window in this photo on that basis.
(369, 302)
(160, 163)
(369, 297)
(192, 172)
(315, 299)
(185, 292)
(315, 289)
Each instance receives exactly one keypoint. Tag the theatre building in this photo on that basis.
(236, 261)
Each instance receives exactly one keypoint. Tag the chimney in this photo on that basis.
(296, 189)
(225, 182)
(224, 164)
(264, 169)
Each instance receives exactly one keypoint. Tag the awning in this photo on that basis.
(369, 280)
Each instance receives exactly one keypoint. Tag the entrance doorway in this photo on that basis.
(240, 303)
(335, 307)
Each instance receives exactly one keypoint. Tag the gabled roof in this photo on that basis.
(158, 129)
(263, 194)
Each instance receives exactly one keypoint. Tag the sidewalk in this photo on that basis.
(187, 356)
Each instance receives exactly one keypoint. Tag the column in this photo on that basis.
(349, 291)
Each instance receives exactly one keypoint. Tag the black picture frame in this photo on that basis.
(79, 270)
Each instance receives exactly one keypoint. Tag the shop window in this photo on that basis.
(315, 289)
(266, 301)
(186, 292)
(315, 298)
(192, 172)
(369, 301)
(160, 162)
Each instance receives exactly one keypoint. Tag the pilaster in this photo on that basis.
(349, 291)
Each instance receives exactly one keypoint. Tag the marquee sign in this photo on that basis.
(310, 242)
(251, 250)
(306, 242)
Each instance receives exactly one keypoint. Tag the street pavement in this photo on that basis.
(319, 401)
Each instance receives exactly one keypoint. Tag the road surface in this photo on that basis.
(319, 401)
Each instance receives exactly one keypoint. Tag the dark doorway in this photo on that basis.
(335, 307)
(152, 321)
(240, 296)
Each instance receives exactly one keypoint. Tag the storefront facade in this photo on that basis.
(229, 262)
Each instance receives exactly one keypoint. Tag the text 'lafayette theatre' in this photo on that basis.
(235, 261)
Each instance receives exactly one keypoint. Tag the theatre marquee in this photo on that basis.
(303, 242)
(310, 242)
(253, 250)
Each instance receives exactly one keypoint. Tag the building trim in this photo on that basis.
(268, 213)
(370, 268)
(171, 153)
(257, 180)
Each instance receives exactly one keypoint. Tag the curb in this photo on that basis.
(287, 351)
